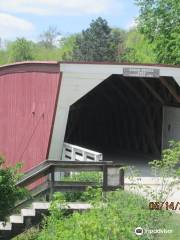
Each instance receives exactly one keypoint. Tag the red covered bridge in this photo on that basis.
(130, 111)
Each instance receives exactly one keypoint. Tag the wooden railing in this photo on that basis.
(113, 175)
(76, 153)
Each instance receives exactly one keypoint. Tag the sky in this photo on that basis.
(30, 18)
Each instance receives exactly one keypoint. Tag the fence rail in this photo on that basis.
(76, 153)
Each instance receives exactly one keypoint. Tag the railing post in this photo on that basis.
(105, 178)
(121, 172)
(84, 156)
(115, 177)
(73, 157)
(63, 153)
(52, 183)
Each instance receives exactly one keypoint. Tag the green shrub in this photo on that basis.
(9, 192)
(81, 177)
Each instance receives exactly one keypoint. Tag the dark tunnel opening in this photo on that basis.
(121, 115)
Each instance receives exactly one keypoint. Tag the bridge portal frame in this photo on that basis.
(80, 78)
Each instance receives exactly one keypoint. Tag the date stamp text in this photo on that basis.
(164, 205)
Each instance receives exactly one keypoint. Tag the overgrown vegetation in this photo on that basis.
(9, 192)
(114, 217)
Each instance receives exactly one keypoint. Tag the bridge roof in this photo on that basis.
(50, 63)
(120, 63)
(30, 66)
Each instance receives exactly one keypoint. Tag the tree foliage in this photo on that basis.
(97, 43)
(42, 53)
(66, 45)
(20, 50)
(159, 21)
(137, 49)
(118, 38)
(3, 57)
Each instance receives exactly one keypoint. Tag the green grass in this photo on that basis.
(172, 222)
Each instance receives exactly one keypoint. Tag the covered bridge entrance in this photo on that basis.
(125, 116)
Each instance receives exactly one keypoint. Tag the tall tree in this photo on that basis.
(20, 50)
(67, 45)
(97, 43)
(49, 37)
(159, 21)
(118, 37)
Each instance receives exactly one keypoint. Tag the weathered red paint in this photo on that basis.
(27, 105)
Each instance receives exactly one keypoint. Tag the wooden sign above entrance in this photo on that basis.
(141, 72)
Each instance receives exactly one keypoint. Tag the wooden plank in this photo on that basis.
(122, 178)
(27, 180)
(153, 92)
(105, 178)
(119, 92)
(134, 91)
(170, 88)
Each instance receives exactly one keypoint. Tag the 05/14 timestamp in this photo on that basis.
(164, 205)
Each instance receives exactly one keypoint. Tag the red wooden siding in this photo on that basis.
(27, 104)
